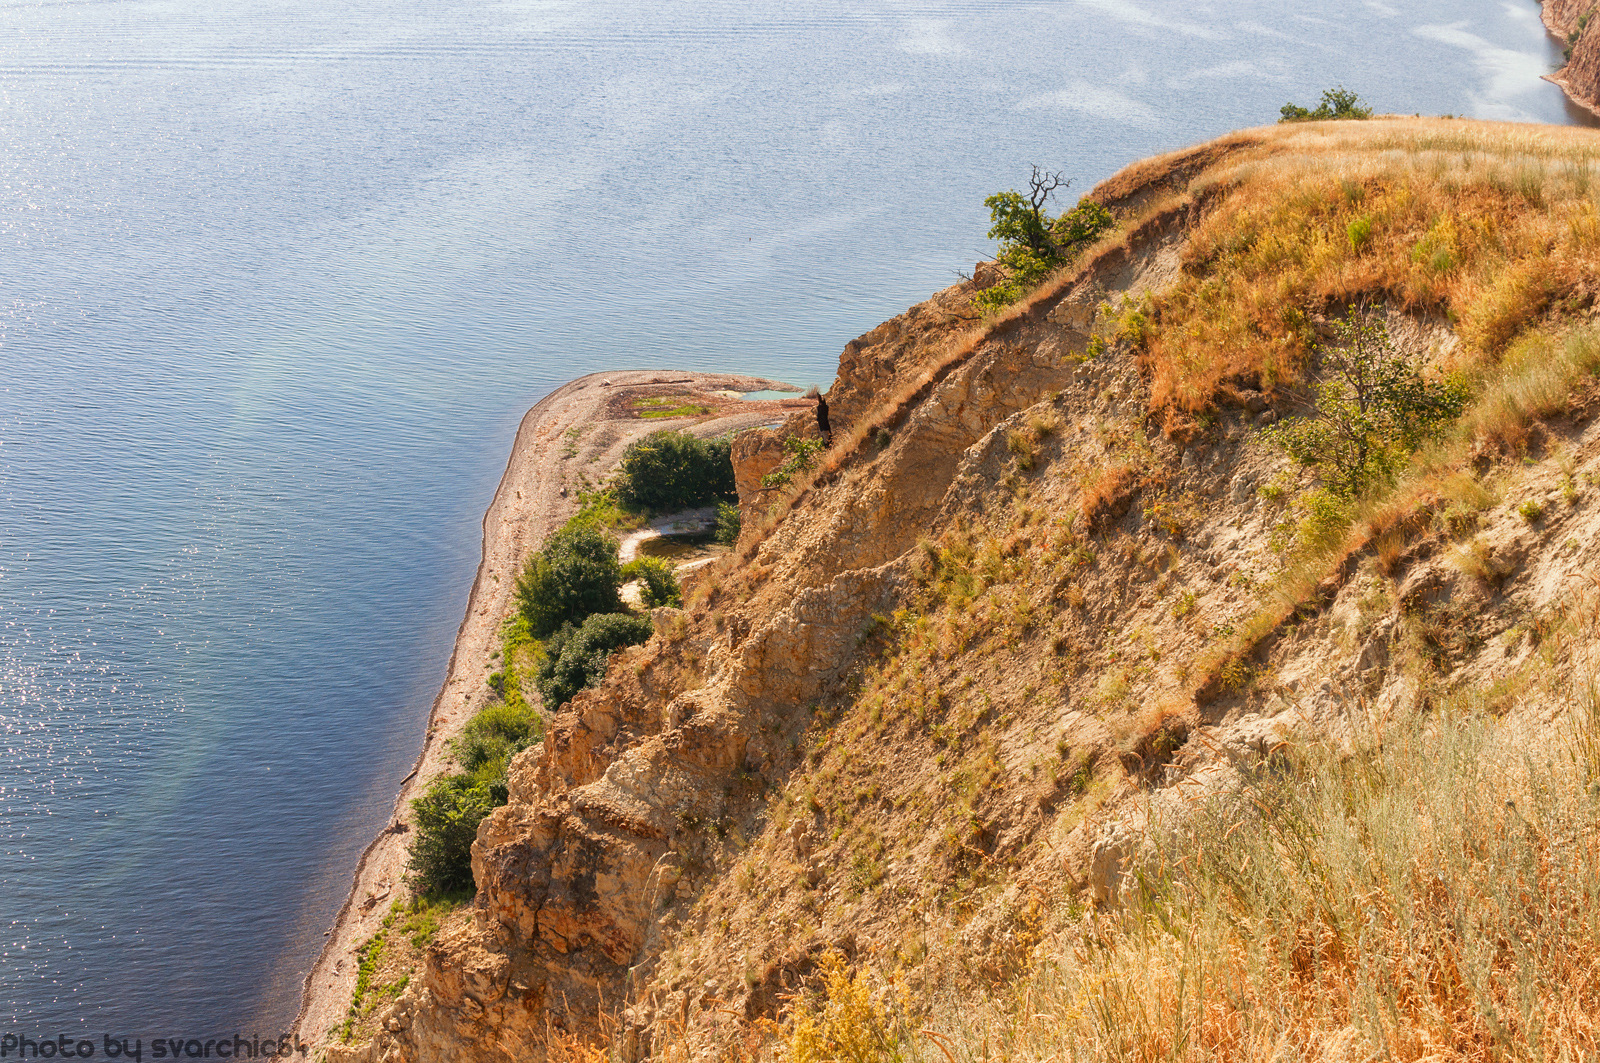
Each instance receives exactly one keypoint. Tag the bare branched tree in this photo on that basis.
(1040, 187)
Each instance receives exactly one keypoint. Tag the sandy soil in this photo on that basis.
(572, 439)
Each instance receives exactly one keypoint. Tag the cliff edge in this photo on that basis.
(940, 760)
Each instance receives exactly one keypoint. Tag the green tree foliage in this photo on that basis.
(1032, 243)
(575, 657)
(729, 523)
(1373, 409)
(447, 815)
(574, 575)
(669, 471)
(1336, 103)
(1572, 38)
(659, 581)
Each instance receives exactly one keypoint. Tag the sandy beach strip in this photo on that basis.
(573, 437)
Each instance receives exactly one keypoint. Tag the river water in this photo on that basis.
(277, 281)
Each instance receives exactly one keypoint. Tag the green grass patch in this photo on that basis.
(661, 408)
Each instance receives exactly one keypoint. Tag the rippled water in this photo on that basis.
(279, 279)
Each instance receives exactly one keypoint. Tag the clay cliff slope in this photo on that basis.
(940, 725)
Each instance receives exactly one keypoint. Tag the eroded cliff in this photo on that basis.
(1579, 77)
(1052, 580)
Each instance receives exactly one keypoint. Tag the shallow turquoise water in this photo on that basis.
(280, 279)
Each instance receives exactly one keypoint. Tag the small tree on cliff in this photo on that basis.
(1373, 409)
(1339, 103)
(1032, 243)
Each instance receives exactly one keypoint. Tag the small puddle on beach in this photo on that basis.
(682, 549)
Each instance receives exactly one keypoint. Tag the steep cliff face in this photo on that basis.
(1561, 16)
(1051, 573)
(1580, 77)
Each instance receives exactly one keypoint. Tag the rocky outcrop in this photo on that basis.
(878, 363)
(645, 788)
(1561, 16)
(1581, 76)
(755, 453)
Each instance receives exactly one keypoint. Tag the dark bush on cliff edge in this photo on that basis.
(1339, 103)
(575, 657)
(447, 815)
(669, 471)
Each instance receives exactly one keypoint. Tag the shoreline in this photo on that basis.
(1559, 81)
(1558, 28)
(569, 439)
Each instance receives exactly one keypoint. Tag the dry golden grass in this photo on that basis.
(1535, 379)
(961, 346)
(1488, 224)
(1435, 897)
(1107, 495)
(1485, 224)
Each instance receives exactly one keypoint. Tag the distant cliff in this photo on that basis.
(1580, 77)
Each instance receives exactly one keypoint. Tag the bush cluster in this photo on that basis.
(575, 657)
(575, 575)
(566, 594)
(492, 738)
(449, 811)
(658, 579)
(668, 471)
(1336, 104)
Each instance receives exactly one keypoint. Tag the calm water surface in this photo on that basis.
(277, 281)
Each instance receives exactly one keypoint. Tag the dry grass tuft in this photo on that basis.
(1153, 736)
(1107, 496)
(1536, 380)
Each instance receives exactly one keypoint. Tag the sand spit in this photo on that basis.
(574, 437)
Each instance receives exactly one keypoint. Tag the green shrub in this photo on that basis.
(669, 471)
(575, 657)
(1336, 103)
(1373, 410)
(729, 523)
(493, 737)
(802, 455)
(1359, 232)
(1032, 243)
(660, 582)
(575, 575)
(448, 814)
